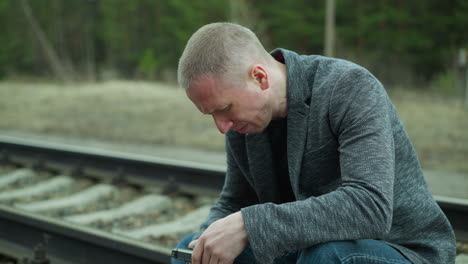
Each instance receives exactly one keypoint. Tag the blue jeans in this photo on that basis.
(365, 251)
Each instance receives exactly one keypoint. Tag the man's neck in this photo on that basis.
(280, 91)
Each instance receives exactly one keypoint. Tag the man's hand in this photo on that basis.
(221, 242)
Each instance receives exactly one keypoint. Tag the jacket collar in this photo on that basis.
(298, 109)
(298, 94)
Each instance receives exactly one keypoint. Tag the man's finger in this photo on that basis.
(213, 260)
(206, 256)
(197, 252)
(193, 243)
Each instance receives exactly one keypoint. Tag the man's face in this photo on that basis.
(243, 109)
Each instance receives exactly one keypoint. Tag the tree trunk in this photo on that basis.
(51, 56)
(90, 25)
(330, 28)
(240, 13)
(62, 47)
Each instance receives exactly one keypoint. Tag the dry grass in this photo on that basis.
(155, 113)
(438, 127)
(137, 112)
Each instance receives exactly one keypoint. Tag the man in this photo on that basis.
(319, 166)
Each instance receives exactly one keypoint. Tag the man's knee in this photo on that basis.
(321, 253)
(353, 251)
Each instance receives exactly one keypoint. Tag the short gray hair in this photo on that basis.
(217, 49)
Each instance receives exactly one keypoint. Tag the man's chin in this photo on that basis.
(255, 130)
(250, 130)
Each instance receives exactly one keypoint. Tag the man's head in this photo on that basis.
(227, 73)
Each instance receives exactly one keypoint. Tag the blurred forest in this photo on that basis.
(411, 43)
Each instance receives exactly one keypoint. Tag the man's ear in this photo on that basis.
(260, 76)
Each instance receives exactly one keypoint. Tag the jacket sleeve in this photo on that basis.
(361, 207)
(236, 193)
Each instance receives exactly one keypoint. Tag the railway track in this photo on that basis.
(78, 205)
(70, 204)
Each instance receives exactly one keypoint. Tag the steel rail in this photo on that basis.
(21, 232)
(119, 165)
(456, 210)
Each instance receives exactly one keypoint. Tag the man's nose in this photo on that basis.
(222, 124)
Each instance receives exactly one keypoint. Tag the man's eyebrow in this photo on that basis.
(217, 110)
(204, 110)
(209, 112)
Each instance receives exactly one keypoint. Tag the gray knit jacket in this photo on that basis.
(352, 167)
